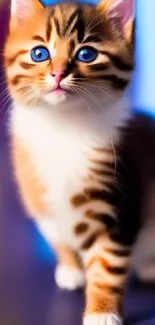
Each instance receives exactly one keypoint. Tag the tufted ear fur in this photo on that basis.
(122, 12)
(22, 10)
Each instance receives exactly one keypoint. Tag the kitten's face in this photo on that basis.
(66, 51)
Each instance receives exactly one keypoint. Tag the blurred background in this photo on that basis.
(28, 294)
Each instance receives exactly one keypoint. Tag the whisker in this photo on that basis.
(5, 104)
(98, 81)
(7, 112)
(3, 100)
(109, 82)
(111, 140)
(101, 88)
(91, 21)
(107, 93)
(86, 92)
(93, 97)
(3, 78)
(99, 21)
(82, 99)
(3, 83)
(3, 93)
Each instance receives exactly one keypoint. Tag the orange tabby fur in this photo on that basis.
(32, 191)
(64, 171)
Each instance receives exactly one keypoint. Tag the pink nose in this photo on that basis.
(58, 76)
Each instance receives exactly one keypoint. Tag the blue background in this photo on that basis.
(49, 2)
(143, 89)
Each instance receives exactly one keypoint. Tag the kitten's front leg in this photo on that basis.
(106, 271)
(69, 273)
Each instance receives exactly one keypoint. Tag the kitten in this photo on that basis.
(68, 68)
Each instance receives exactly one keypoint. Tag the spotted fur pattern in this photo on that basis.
(65, 146)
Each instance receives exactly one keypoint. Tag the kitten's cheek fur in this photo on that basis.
(69, 278)
(102, 319)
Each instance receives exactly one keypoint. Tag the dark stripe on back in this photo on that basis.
(99, 67)
(118, 252)
(81, 228)
(116, 83)
(102, 172)
(110, 165)
(90, 240)
(103, 150)
(26, 65)
(94, 194)
(116, 270)
(117, 61)
(108, 173)
(106, 219)
(98, 162)
(78, 200)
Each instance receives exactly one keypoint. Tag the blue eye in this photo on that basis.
(40, 54)
(87, 54)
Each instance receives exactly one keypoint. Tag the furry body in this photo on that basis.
(67, 146)
(66, 171)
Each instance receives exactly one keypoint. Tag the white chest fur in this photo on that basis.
(60, 154)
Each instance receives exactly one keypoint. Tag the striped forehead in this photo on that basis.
(66, 21)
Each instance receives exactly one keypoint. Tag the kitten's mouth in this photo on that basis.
(59, 91)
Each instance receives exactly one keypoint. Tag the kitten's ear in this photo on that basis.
(109, 5)
(122, 12)
(129, 29)
(118, 7)
(21, 10)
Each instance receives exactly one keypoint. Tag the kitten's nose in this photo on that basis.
(58, 76)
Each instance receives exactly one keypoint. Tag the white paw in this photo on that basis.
(102, 319)
(69, 278)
